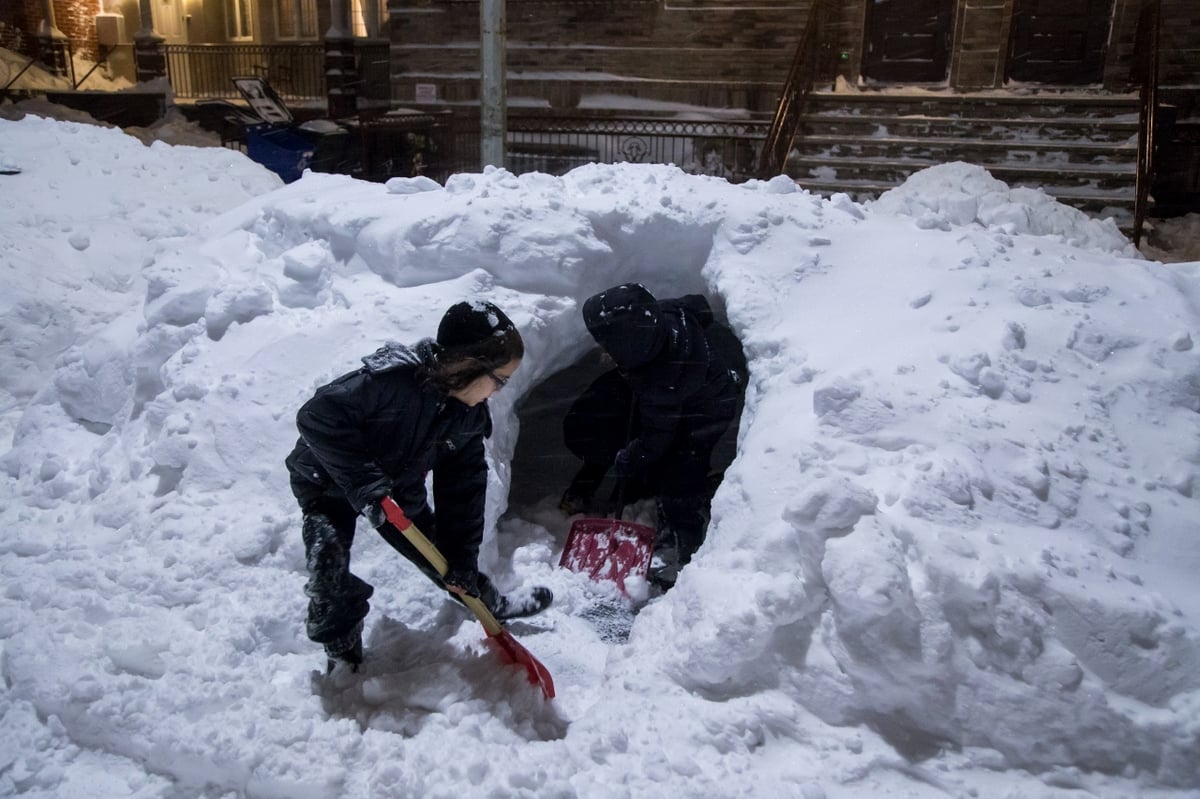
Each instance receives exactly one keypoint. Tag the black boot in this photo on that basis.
(329, 612)
(664, 569)
(682, 524)
(345, 648)
(516, 605)
(522, 603)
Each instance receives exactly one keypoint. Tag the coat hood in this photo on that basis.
(625, 321)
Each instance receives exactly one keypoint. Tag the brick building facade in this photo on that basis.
(731, 54)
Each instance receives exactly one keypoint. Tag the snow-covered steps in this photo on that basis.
(1081, 148)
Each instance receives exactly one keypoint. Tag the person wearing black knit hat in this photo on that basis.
(654, 421)
(375, 433)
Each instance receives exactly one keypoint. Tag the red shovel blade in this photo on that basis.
(506, 645)
(511, 650)
(609, 549)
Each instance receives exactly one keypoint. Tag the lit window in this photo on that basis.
(361, 11)
(297, 19)
(238, 19)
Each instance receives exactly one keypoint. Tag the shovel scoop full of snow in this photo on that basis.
(609, 550)
(501, 639)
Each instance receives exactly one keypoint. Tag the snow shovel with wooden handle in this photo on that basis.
(509, 647)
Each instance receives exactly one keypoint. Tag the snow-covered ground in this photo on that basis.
(954, 556)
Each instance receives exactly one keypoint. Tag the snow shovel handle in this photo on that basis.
(509, 647)
(438, 561)
(628, 440)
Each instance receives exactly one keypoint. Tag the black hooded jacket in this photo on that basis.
(684, 390)
(379, 430)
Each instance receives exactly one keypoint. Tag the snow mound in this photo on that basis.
(959, 528)
(956, 194)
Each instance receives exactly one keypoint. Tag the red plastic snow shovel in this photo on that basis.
(609, 549)
(512, 651)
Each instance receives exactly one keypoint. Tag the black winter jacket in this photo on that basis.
(684, 389)
(379, 431)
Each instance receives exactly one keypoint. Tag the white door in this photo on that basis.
(168, 20)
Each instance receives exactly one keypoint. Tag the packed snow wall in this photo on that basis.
(959, 543)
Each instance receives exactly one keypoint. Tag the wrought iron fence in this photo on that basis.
(1146, 56)
(295, 71)
(557, 144)
(439, 144)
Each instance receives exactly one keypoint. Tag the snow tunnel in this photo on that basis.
(545, 460)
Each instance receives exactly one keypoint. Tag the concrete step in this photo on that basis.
(1080, 149)
(1017, 130)
(1047, 106)
(1074, 154)
(1086, 199)
(894, 171)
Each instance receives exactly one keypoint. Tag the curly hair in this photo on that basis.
(458, 367)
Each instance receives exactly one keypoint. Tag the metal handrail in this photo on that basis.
(1146, 56)
(811, 61)
(32, 60)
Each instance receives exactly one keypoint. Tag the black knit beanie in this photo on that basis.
(468, 324)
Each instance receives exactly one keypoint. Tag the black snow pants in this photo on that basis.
(337, 598)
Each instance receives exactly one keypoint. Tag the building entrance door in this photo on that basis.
(168, 20)
(1059, 41)
(908, 41)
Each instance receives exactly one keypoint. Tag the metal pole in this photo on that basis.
(492, 101)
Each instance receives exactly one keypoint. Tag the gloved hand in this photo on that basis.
(572, 503)
(462, 579)
(626, 464)
(374, 514)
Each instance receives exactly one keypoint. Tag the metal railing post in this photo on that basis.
(1147, 59)
(799, 84)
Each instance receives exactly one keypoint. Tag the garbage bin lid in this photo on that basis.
(322, 126)
(262, 98)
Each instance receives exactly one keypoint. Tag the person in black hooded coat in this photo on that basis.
(685, 397)
(375, 433)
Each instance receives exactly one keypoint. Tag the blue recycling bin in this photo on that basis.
(285, 150)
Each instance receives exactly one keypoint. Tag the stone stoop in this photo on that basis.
(1080, 149)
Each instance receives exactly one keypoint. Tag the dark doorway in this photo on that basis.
(1059, 41)
(908, 41)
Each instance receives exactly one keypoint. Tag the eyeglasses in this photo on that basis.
(500, 381)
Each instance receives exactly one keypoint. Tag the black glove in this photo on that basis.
(464, 577)
(572, 503)
(626, 465)
(374, 513)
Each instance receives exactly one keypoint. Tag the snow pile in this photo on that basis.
(77, 235)
(958, 194)
(956, 545)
